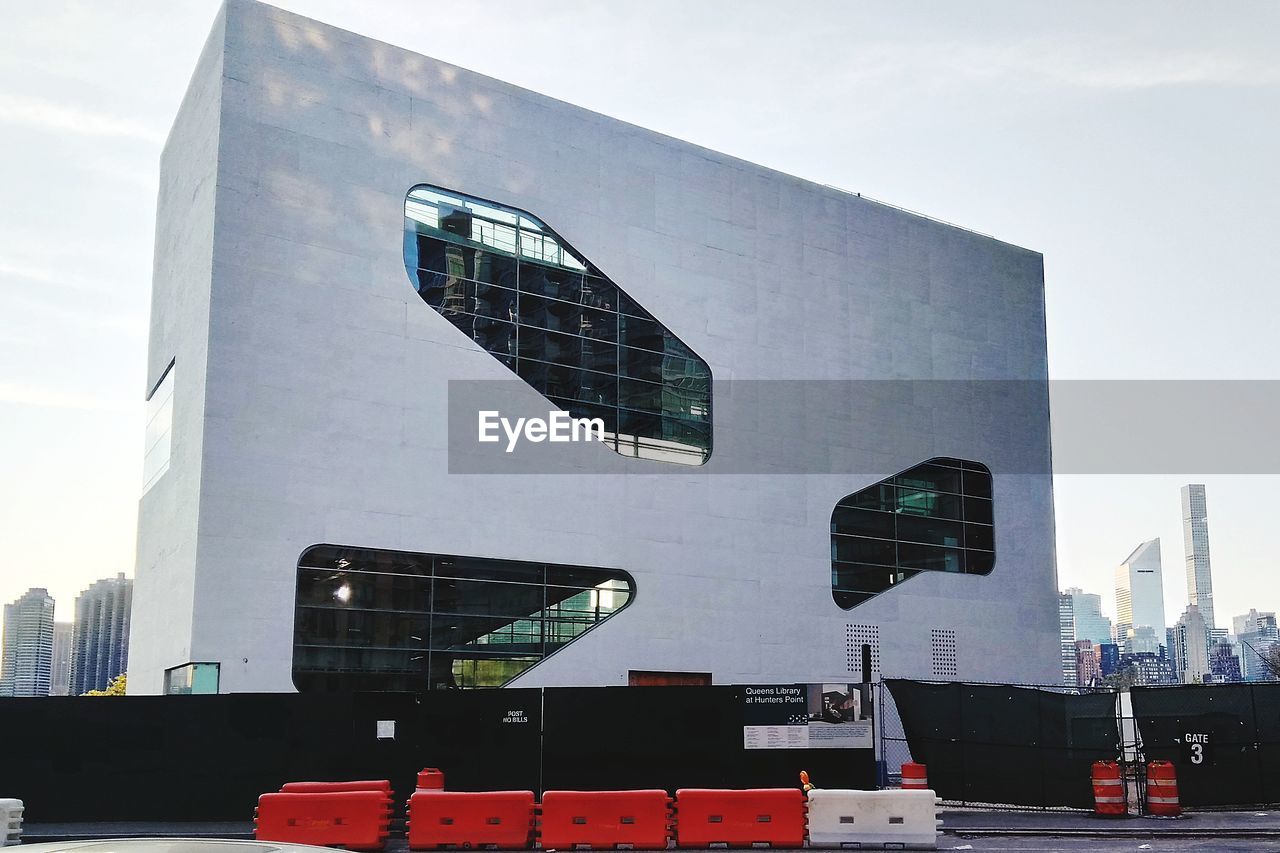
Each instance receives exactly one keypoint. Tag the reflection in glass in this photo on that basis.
(935, 517)
(369, 619)
(191, 679)
(159, 435)
(510, 284)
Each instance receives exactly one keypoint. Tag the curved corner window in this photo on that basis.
(508, 282)
(368, 619)
(935, 517)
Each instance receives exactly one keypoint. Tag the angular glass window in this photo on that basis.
(508, 282)
(159, 441)
(935, 517)
(367, 619)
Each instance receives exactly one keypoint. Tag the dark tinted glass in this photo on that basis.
(389, 620)
(934, 517)
(506, 281)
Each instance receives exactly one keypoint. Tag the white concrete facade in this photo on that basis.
(310, 404)
(1140, 594)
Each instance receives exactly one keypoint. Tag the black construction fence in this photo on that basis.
(1224, 740)
(1034, 746)
(998, 744)
(189, 758)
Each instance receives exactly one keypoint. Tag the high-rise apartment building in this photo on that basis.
(101, 647)
(1224, 663)
(1108, 658)
(63, 640)
(1088, 663)
(1090, 624)
(1140, 592)
(1256, 634)
(1195, 538)
(1067, 637)
(1151, 668)
(26, 660)
(1191, 647)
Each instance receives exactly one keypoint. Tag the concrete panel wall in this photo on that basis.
(168, 516)
(326, 415)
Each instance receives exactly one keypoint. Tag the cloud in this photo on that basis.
(52, 116)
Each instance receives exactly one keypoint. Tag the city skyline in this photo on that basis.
(67, 657)
(72, 398)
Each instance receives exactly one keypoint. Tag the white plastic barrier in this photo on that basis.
(10, 822)
(870, 819)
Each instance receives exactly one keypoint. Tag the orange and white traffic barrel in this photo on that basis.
(915, 777)
(1162, 789)
(1108, 789)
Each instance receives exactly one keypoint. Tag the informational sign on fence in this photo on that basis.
(806, 716)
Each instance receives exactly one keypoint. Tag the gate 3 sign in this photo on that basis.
(1195, 748)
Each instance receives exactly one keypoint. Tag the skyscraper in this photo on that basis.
(1140, 592)
(1067, 637)
(27, 660)
(60, 677)
(1256, 633)
(1191, 646)
(1195, 539)
(100, 649)
(1090, 623)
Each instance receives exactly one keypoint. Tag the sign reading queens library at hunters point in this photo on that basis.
(806, 716)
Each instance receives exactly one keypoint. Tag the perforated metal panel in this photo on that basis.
(856, 636)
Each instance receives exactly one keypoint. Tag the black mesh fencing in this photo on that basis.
(1223, 739)
(185, 758)
(998, 744)
(1034, 747)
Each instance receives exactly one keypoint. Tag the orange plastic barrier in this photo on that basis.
(336, 787)
(773, 816)
(1162, 789)
(502, 819)
(1108, 789)
(915, 777)
(430, 779)
(605, 819)
(356, 820)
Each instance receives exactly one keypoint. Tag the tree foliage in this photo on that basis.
(115, 688)
(1123, 678)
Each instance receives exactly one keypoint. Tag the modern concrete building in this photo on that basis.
(1140, 593)
(1190, 650)
(60, 674)
(1195, 539)
(1090, 624)
(822, 421)
(26, 657)
(100, 650)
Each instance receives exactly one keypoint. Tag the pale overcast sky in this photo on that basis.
(1134, 144)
